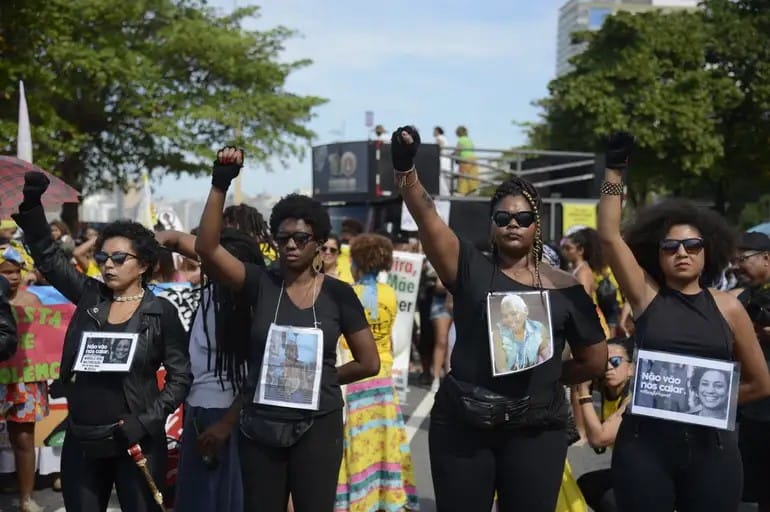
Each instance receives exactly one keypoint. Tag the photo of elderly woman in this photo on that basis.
(291, 369)
(519, 335)
(710, 392)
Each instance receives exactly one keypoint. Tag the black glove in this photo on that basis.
(402, 153)
(35, 185)
(223, 174)
(129, 432)
(619, 148)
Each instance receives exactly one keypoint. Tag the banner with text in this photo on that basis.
(41, 337)
(404, 277)
(578, 215)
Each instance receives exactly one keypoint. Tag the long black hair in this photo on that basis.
(247, 219)
(233, 317)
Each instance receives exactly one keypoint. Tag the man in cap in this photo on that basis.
(753, 266)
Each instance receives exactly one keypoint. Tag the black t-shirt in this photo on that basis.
(338, 310)
(757, 410)
(573, 319)
(98, 398)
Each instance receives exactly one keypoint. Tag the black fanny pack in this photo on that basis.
(271, 431)
(96, 441)
(485, 409)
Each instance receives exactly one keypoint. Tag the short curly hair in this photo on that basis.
(371, 253)
(301, 207)
(652, 223)
(143, 243)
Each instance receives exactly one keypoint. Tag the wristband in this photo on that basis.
(611, 189)
(585, 400)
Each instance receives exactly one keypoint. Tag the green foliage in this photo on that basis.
(693, 87)
(118, 87)
(755, 213)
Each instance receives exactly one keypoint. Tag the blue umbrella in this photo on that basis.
(762, 228)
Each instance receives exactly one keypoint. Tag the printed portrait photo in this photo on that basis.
(120, 350)
(686, 389)
(519, 326)
(291, 370)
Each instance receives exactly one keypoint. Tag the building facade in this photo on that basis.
(580, 15)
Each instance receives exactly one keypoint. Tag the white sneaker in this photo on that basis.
(30, 505)
(434, 386)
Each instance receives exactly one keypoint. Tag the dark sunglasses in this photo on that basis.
(616, 361)
(118, 258)
(501, 218)
(330, 250)
(300, 238)
(691, 245)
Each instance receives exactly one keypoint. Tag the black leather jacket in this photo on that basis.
(162, 339)
(8, 337)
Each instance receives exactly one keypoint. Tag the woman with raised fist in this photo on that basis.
(290, 413)
(495, 430)
(664, 265)
(113, 405)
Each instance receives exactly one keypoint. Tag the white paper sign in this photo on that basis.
(291, 368)
(686, 389)
(520, 336)
(106, 352)
(408, 223)
(404, 277)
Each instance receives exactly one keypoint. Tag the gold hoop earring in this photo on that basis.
(318, 263)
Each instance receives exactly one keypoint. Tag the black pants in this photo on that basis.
(308, 470)
(87, 483)
(469, 465)
(660, 465)
(754, 442)
(596, 487)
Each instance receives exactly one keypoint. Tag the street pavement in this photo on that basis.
(416, 412)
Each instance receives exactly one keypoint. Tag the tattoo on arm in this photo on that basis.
(427, 199)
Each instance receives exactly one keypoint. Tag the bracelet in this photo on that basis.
(585, 400)
(405, 179)
(609, 188)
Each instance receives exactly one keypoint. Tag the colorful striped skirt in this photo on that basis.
(376, 472)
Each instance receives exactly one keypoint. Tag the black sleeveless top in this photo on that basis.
(690, 325)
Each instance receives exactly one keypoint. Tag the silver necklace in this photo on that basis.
(129, 298)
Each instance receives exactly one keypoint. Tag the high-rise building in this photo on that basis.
(579, 15)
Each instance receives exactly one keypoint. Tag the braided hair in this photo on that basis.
(516, 186)
(247, 219)
(233, 317)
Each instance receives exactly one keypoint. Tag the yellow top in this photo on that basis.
(382, 326)
(344, 271)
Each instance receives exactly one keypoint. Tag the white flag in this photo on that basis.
(24, 138)
(145, 213)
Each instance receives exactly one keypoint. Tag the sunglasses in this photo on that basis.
(330, 250)
(300, 238)
(501, 218)
(616, 361)
(691, 245)
(118, 258)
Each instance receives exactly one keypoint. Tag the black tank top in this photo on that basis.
(685, 324)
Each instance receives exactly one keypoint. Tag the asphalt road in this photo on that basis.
(416, 411)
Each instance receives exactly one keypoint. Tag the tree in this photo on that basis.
(117, 87)
(694, 87)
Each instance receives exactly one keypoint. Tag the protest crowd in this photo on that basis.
(271, 338)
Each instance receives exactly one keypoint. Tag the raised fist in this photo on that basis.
(35, 185)
(619, 147)
(226, 167)
(403, 147)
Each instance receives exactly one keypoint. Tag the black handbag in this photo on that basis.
(272, 431)
(485, 409)
(96, 441)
